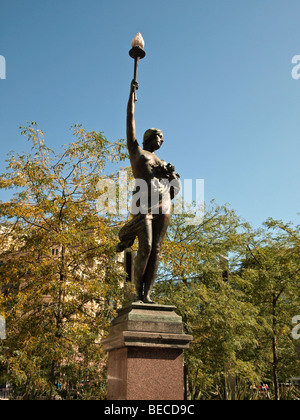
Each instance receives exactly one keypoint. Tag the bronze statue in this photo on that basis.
(156, 185)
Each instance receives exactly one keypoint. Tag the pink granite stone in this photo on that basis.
(137, 373)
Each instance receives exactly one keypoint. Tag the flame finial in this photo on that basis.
(138, 41)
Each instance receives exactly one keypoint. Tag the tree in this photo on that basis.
(58, 275)
(241, 327)
(216, 312)
(272, 265)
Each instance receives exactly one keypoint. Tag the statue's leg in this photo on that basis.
(143, 254)
(128, 232)
(159, 227)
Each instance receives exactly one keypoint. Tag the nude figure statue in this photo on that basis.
(156, 185)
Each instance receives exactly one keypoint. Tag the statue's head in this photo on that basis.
(153, 139)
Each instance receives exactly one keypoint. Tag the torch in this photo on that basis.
(137, 52)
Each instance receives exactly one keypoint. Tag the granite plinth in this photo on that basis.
(145, 346)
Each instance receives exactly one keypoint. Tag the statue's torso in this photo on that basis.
(145, 165)
(148, 167)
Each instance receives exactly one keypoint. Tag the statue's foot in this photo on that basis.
(148, 300)
(138, 299)
(122, 245)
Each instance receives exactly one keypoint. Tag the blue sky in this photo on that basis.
(216, 79)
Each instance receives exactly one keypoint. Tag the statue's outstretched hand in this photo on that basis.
(134, 85)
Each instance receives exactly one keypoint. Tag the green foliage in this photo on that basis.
(233, 323)
(59, 278)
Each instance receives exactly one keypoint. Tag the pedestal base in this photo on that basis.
(145, 348)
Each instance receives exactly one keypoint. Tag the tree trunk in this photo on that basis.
(274, 347)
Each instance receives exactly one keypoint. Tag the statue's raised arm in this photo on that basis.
(131, 130)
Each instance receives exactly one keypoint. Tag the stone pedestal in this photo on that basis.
(145, 346)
